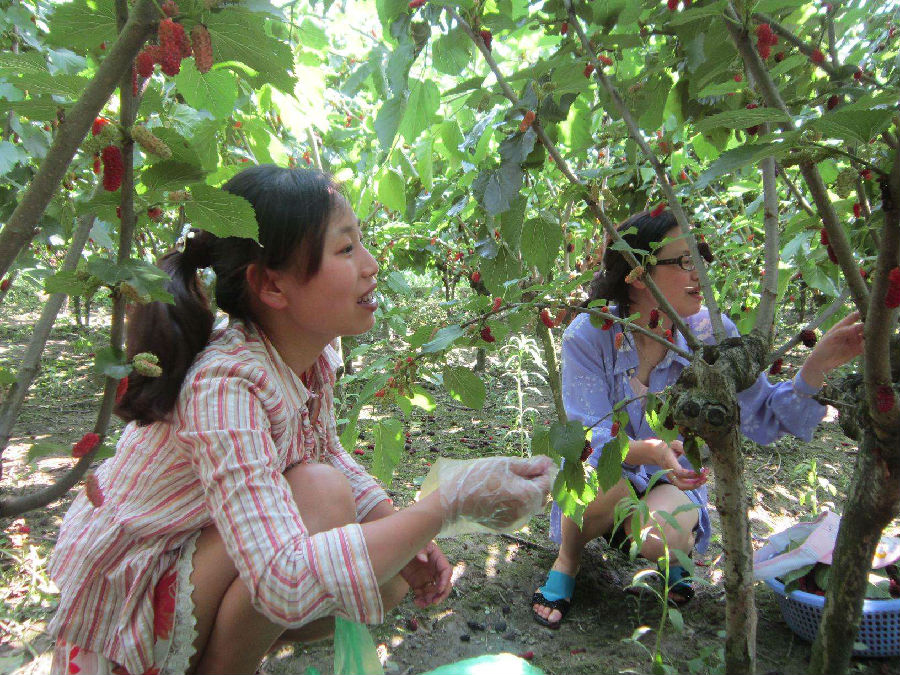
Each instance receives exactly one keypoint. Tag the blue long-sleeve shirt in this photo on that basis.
(595, 376)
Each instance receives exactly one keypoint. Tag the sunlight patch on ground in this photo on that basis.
(831, 414)
(490, 563)
(512, 551)
(459, 569)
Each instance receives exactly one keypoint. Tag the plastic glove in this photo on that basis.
(491, 494)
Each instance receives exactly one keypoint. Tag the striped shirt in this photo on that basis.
(241, 420)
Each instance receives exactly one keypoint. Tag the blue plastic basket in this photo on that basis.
(879, 629)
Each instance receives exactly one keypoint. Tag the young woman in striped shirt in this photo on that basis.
(232, 518)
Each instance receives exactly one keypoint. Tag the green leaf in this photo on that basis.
(421, 398)
(541, 244)
(389, 441)
(444, 338)
(69, 86)
(609, 468)
(47, 449)
(741, 119)
(424, 99)
(168, 175)
(453, 52)
(567, 440)
(215, 91)
(572, 492)
(83, 24)
(675, 619)
(111, 362)
(223, 214)
(737, 158)
(23, 63)
(387, 121)
(68, 282)
(464, 386)
(392, 190)
(540, 443)
(239, 35)
(853, 126)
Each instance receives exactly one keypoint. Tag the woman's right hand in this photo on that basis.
(667, 455)
(495, 492)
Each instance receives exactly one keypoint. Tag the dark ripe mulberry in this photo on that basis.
(145, 60)
(884, 398)
(808, 338)
(586, 452)
(113, 167)
(823, 237)
(832, 256)
(614, 430)
(776, 367)
(654, 319)
(486, 37)
(486, 334)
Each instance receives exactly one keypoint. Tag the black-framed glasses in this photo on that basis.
(685, 262)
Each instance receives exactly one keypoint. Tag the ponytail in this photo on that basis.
(175, 333)
(293, 208)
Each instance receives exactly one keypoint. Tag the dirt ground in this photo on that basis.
(489, 609)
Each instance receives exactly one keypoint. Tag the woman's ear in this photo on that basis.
(264, 285)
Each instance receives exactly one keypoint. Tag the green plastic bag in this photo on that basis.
(354, 650)
(489, 664)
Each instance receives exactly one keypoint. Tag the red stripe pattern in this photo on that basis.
(241, 421)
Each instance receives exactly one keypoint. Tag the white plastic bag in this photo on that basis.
(818, 537)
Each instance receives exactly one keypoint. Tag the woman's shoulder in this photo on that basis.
(234, 350)
(701, 325)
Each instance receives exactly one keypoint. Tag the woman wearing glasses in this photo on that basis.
(596, 375)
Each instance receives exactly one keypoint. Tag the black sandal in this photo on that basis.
(558, 583)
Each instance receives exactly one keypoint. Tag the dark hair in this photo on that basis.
(293, 208)
(609, 282)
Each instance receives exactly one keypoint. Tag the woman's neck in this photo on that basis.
(299, 352)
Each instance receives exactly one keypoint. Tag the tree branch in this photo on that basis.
(674, 203)
(22, 225)
(794, 190)
(836, 236)
(563, 166)
(826, 314)
(765, 314)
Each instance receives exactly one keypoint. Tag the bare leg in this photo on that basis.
(232, 637)
(598, 519)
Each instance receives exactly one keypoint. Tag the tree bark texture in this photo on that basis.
(552, 363)
(871, 505)
(705, 402)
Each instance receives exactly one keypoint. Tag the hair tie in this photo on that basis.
(196, 249)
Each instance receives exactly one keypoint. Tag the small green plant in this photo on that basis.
(814, 488)
(641, 525)
(523, 364)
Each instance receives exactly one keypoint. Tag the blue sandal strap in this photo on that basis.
(559, 586)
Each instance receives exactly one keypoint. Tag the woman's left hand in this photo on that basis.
(428, 576)
(843, 342)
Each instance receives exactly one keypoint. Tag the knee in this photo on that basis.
(323, 496)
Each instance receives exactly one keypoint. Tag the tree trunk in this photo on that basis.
(871, 505)
(705, 401)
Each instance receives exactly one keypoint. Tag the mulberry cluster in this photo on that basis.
(808, 338)
(173, 46)
(146, 364)
(765, 40)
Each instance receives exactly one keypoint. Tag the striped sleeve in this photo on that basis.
(293, 578)
(366, 490)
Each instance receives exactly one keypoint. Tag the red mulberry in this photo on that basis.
(884, 398)
(87, 443)
(93, 490)
(113, 167)
(654, 319)
(146, 59)
(486, 334)
(892, 296)
(776, 367)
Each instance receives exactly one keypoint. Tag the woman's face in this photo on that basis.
(681, 287)
(339, 299)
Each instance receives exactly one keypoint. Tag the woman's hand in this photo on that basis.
(843, 342)
(428, 576)
(667, 455)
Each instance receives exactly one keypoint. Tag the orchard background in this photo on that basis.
(488, 148)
